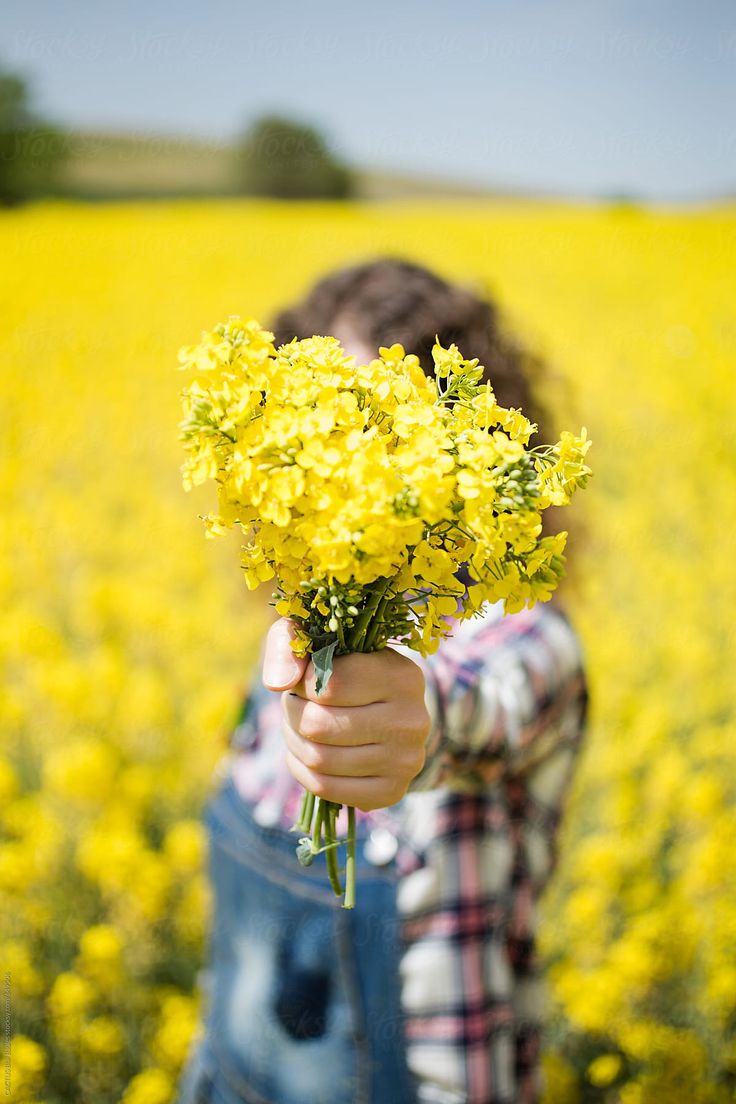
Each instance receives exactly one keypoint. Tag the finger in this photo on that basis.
(281, 668)
(363, 761)
(362, 793)
(341, 726)
(363, 678)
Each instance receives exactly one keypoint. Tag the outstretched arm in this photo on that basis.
(498, 699)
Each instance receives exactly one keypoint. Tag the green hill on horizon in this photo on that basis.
(104, 165)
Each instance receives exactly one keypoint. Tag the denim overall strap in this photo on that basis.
(304, 1004)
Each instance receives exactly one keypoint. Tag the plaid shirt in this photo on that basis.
(474, 840)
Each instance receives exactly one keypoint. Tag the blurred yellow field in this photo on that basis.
(126, 638)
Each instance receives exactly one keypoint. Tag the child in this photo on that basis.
(429, 991)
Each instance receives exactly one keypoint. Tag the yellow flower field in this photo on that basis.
(126, 638)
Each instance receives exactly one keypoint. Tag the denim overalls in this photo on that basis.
(304, 998)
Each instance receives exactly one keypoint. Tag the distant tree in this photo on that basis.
(31, 150)
(288, 160)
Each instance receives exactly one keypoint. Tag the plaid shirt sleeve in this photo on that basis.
(503, 700)
(509, 703)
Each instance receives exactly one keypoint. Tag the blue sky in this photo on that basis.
(577, 96)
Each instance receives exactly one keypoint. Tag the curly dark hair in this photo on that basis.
(391, 300)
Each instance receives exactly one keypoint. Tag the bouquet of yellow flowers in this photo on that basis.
(363, 490)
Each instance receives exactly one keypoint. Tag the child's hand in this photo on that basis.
(362, 741)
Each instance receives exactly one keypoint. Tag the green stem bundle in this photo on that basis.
(318, 817)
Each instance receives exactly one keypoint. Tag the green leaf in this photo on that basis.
(322, 661)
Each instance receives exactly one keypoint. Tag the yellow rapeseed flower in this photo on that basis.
(604, 1069)
(151, 1086)
(184, 845)
(100, 955)
(27, 1066)
(82, 771)
(71, 995)
(103, 1037)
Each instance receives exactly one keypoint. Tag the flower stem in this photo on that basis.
(362, 638)
(318, 823)
(376, 623)
(306, 812)
(349, 901)
(357, 639)
(331, 855)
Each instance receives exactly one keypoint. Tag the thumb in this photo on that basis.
(281, 668)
